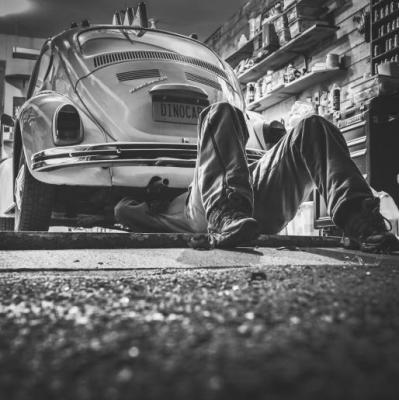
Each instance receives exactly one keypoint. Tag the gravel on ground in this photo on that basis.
(311, 332)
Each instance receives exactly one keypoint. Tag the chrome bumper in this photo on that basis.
(129, 154)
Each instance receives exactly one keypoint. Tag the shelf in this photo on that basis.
(379, 3)
(386, 54)
(17, 80)
(302, 44)
(386, 18)
(294, 88)
(243, 52)
(376, 40)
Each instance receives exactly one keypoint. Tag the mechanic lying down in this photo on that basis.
(234, 202)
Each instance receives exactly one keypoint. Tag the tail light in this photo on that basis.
(67, 126)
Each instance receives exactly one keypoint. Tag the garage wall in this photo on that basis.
(15, 66)
(347, 42)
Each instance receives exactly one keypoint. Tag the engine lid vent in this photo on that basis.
(141, 55)
(203, 80)
(138, 74)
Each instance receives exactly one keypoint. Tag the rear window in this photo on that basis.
(101, 41)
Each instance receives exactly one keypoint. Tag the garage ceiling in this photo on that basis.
(44, 18)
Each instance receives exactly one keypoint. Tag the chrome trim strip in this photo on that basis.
(354, 126)
(136, 154)
(358, 153)
(359, 140)
(92, 162)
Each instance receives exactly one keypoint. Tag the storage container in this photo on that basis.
(281, 22)
(389, 69)
(302, 24)
(283, 36)
(301, 11)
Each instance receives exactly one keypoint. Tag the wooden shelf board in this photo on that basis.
(385, 54)
(301, 44)
(294, 88)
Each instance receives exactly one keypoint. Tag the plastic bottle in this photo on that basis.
(336, 97)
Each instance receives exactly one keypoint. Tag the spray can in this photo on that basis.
(250, 92)
(336, 97)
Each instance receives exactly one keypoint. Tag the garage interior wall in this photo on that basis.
(15, 66)
(347, 43)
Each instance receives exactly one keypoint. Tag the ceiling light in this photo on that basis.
(10, 7)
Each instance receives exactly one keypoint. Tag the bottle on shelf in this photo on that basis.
(335, 97)
(250, 95)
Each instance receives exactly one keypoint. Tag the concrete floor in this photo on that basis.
(131, 259)
(256, 322)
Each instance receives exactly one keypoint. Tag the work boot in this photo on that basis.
(369, 231)
(230, 222)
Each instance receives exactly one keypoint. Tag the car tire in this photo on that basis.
(6, 224)
(33, 201)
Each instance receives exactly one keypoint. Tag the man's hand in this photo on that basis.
(201, 241)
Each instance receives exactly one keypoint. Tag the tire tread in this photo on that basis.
(37, 203)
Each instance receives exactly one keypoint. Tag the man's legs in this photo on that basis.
(312, 154)
(221, 198)
(315, 153)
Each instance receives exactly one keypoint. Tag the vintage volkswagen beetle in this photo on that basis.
(108, 108)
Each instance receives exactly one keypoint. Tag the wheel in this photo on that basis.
(6, 224)
(33, 201)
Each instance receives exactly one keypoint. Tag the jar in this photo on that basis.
(250, 95)
(332, 60)
(258, 89)
(376, 15)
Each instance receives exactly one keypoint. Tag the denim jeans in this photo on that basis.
(313, 154)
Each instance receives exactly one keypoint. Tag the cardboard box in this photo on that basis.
(389, 69)
(302, 24)
(281, 22)
(284, 36)
(301, 11)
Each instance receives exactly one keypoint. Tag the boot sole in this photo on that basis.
(388, 245)
(245, 232)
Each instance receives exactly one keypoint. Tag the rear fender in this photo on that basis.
(35, 125)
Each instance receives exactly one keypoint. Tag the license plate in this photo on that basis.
(174, 112)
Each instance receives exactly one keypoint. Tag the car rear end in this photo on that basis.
(147, 88)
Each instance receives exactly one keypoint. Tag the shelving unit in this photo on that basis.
(17, 80)
(384, 47)
(242, 53)
(300, 45)
(294, 88)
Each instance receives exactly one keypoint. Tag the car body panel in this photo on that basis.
(138, 93)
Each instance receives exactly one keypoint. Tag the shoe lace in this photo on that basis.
(369, 221)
